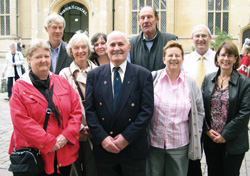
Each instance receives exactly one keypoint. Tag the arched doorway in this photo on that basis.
(76, 16)
(246, 34)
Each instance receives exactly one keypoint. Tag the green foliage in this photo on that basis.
(220, 37)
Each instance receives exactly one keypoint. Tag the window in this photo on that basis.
(5, 17)
(159, 5)
(218, 14)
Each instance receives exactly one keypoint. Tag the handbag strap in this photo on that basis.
(78, 88)
(48, 111)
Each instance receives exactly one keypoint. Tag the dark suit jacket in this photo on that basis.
(63, 59)
(134, 110)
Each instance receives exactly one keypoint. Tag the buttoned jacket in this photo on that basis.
(28, 108)
(134, 110)
(235, 132)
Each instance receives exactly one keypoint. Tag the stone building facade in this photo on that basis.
(25, 18)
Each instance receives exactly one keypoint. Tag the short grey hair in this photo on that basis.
(13, 44)
(201, 26)
(117, 32)
(56, 18)
(35, 44)
(77, 37)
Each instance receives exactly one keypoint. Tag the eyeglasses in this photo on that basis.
(229, 56)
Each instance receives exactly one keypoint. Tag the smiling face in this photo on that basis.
(226, 61)
(100, 47)
(148, 22)
(201, 40)
(117, 48)
(173, 59)
(40, 62)
(80, 52)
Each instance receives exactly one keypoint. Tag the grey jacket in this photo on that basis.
(196, 116)
(152, 60)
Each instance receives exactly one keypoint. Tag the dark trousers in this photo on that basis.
(10, 84)
(220, 163)
(121, 167)
(194, 168)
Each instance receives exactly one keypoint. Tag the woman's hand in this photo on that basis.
(219, 139)
(85, 131)
(61, 140)
(212, 134)
(55, 148)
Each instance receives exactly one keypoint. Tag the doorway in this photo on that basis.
(76, 16)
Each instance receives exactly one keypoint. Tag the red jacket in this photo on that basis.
(28, 107)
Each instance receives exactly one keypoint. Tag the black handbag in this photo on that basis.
(27, 161)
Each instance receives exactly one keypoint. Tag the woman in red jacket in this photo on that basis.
(59, 143)
(244, 63)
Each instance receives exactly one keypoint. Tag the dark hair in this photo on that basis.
(231, 49)
(94, 39)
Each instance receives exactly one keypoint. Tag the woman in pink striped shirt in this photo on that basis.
(176, 126)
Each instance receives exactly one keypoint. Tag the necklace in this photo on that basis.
(222, 80)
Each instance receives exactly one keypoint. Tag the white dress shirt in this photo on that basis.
(191, 62)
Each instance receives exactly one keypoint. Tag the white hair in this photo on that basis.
(77, 37)
(201, 26)
(13, 44)
(117, 33)
(56, 18)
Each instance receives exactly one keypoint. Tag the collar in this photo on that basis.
(57, 48)
(197, 55)
(165, 74)
(146, 40)
(122, 66)
(233, 78)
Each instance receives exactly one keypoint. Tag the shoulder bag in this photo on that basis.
(27, 161)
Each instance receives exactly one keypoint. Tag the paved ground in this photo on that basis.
(6, 130)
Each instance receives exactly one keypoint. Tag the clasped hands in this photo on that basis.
(61, 141)
(114, 145)
(215, 136)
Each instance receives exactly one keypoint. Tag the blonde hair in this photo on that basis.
(171, 44)
(35, 44)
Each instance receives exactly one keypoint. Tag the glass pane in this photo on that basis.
(134, 22)
(2, 25)
(7, 25)
(149, 3)
(2, 6)
(7, 6)
(163, 4)
(156, 4)
(218, 4)
(210, 4)
(218, 20)
(225, 22)
(163, 21)
(134, 4)
(210, 21)
(141, 3)
(225, 4)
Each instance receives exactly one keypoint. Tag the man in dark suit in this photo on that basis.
(147, 48)
(54, 25)
(119, 129)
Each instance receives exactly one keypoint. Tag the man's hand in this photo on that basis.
(61, 140)
(120, 142)
(109, 146)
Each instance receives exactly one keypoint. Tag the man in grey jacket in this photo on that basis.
(147, 48)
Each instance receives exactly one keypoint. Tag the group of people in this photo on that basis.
(137, 108)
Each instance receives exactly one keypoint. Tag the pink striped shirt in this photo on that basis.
(168, 128)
